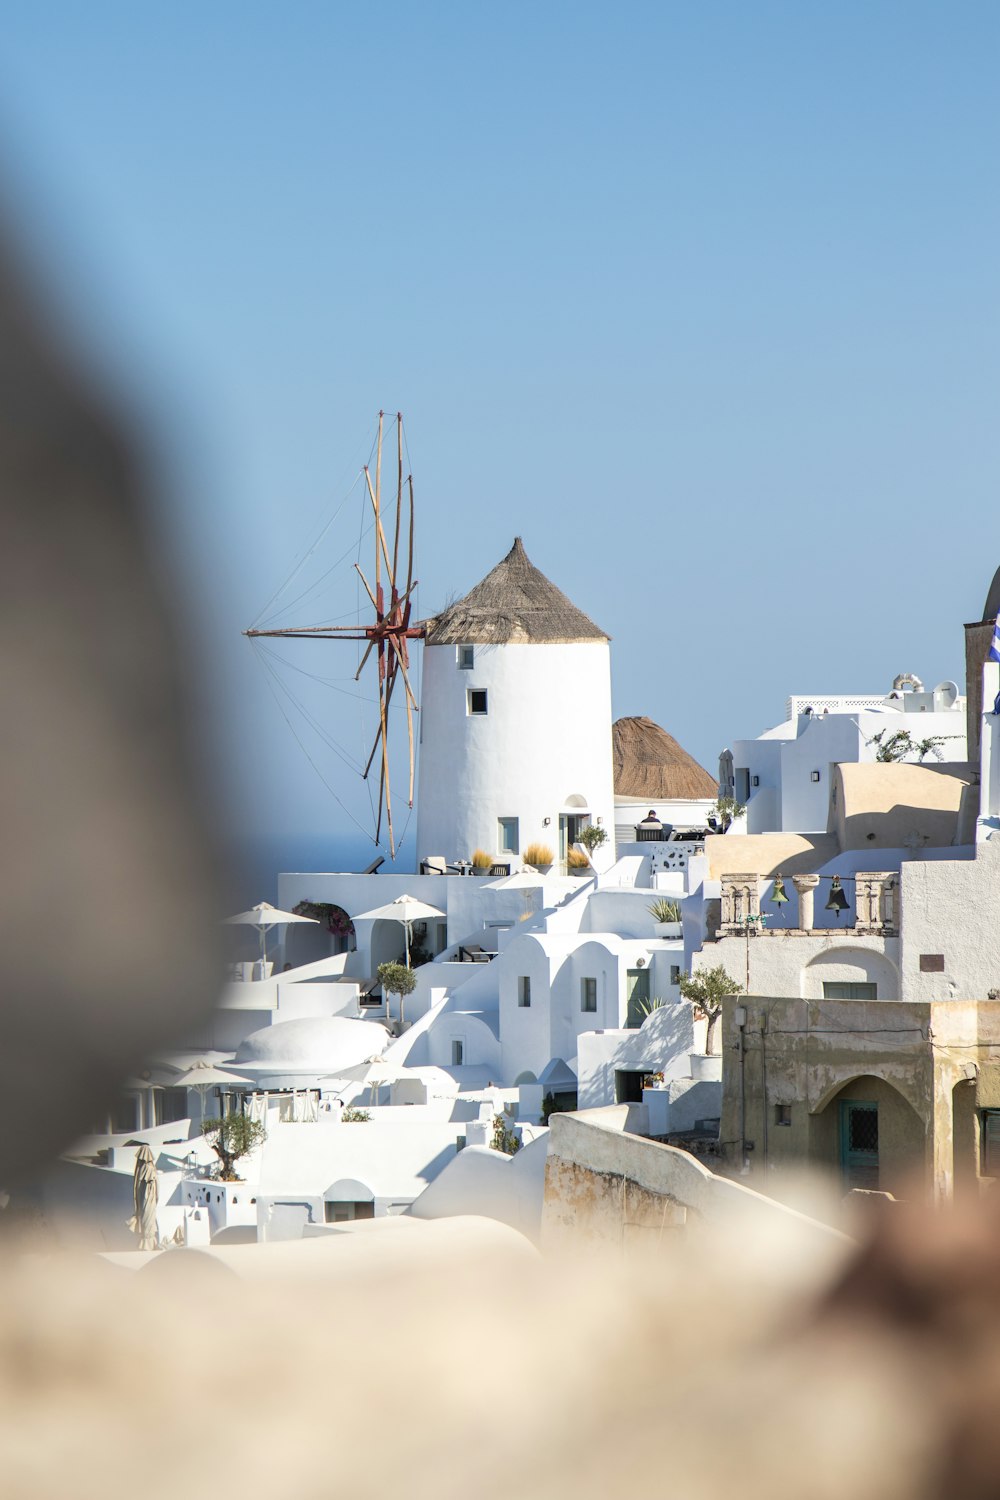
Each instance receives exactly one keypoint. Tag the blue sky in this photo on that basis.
(700, 299)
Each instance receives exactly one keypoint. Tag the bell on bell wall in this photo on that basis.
(778, 897)
(837, 901)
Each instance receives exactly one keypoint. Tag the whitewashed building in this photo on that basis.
(783, 777)
(515, 721)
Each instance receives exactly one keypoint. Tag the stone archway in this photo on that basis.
(867, 1132)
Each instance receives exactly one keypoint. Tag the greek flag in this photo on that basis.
(994, 652)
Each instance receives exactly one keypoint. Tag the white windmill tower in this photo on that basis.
(515, 722)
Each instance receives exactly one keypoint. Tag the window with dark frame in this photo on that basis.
(588, 994)
(477, 702)
(524, 991)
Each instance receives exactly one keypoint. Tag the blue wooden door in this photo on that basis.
(859, 1143)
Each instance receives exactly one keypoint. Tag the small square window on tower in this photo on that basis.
(467, 657)
(477, 701)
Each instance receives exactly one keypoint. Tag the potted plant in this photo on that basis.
(481, 862)
(577, 862)
(540, 857)
(666, 916)
(592, 837)
(706, 989)
(396, 979)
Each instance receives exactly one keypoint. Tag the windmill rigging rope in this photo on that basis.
(330, 682)
(338, 749)
(316, 768)
(297, 568)
(299, 598)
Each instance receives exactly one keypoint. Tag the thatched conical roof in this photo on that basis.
(513, 603)
(648, 762)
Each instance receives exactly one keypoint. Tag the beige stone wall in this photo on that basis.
(880, 806)
(604, 1209)
(769, 854)
(807, 1055)
(915, 1060)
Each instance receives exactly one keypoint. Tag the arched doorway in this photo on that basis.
(871, 1135)
(330, 932)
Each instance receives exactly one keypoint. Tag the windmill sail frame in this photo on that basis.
(389, 632)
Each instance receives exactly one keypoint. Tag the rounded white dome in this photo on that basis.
(319, 1044)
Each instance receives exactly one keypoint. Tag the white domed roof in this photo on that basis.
(320, 1044)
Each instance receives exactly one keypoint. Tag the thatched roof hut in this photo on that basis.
(649, 763)
(516, 603)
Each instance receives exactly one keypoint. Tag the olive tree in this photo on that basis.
(232, 1137)
(706, 988)
(396, 979)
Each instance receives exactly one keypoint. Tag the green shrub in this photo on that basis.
(354, 1116)
(665, 910)
(504, 1139)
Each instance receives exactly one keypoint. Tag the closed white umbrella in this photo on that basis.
(144, 1199)
(264, 916)
(405, 909)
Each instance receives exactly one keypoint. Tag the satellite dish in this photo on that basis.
(946, 693)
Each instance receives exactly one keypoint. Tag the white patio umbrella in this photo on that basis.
(373, 1072)
(144, 1199)
(264, 916)
(202, 1075)
(405, 909)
